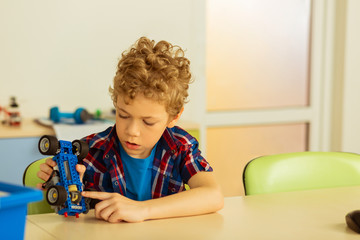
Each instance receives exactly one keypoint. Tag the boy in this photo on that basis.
(135, 167)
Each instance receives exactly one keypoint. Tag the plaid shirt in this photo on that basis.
(177, 159)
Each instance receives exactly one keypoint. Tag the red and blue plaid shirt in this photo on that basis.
(177, 159)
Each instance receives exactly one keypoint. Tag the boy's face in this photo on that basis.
(140, 124)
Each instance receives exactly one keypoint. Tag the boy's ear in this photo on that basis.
(173, 122)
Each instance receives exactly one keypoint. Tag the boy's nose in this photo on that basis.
(133, 129)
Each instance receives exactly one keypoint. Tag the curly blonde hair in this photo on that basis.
(159, 71)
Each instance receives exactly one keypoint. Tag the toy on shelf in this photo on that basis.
(12, 114)
(63, 189)
(80, 115)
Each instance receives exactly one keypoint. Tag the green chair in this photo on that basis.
(30, 179)
(301, 171)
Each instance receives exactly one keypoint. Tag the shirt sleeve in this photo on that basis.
(193, 162)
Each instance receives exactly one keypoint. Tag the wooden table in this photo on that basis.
(314, 214)
(27, 128)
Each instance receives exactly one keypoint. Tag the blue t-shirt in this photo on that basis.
(137, 175)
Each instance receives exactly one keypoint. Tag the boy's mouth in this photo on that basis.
(132, 146)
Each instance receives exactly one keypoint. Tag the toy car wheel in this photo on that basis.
(56, 195)
(80, 149)
(87, 206)
(48, 145)
(75, 197)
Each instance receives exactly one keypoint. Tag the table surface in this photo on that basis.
(312, 214)
(32, 128)
(27, 128)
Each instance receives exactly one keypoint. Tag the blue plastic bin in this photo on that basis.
(13, 208)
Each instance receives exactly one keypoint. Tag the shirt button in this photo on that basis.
(107, 156)
(173, 151)
(173, 190)
(116, 183)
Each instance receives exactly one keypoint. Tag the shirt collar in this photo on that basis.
(104, 140)
(167, 140)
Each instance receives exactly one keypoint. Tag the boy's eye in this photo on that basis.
(122, 116)
(148, 123)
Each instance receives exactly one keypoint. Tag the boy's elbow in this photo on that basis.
(218, 199)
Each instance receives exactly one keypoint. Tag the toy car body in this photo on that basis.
(63, 189)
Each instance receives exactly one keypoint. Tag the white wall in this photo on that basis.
(65, 52)
(351, 109)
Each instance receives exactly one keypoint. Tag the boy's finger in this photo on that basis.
(96, 195)
(81, 170)
(50, 162)
(39, 186)
(42, 175)
(46, 168)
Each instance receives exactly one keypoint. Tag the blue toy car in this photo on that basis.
(63, 189)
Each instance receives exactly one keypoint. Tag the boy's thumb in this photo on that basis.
(81, 170)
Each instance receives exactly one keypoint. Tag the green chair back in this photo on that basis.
(301, 171)
(30, 179)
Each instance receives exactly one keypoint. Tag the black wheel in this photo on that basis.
(87, 205)
(75, 197)
(80, 149)
(85, 115)
(48, 145)
(56, 195)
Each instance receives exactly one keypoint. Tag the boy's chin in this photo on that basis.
(137, 153)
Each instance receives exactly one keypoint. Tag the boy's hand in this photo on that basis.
(45, 171)
(47, 168)
(115, 208)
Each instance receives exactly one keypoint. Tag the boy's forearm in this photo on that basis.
(195, 201)
(192, 202)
